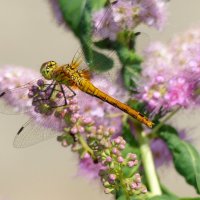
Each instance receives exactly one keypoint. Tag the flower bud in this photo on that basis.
(106, 133)
(117, 140)
(121, 146)
(120, 159)
(87, 120)
(144, 190)
(112, 177)
(40, 82)
(111, 130)
(74, 130)
(64, 143)
(114, 150)
(137, 178)
(132, 156)
(131, 163)
(108, 159)
(133, 185)
(108, 190)
(81, 129)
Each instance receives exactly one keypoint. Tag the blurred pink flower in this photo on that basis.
(162, 155)
(88, 168)
(171, 73)
(16, 77)
(126, 15)
(55, 7)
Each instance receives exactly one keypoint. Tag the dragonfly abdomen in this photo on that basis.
(89, 88)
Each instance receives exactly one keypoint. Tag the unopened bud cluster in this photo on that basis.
(98, 138)
(114, 176)
(109, 154)
(77, 124)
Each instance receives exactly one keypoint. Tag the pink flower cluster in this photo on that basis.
(126, 15)
(171, 73)
(18, 78)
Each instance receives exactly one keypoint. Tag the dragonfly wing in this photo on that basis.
(15, 101)
(32, 133)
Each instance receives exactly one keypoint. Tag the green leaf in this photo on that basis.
(131, 65)
(129, 72)
(100, 62)
(163, 197)
(168, 128)
(121, 197)
(67, 137)
(186, 158)
(96, 5)
(72, 11)
(128, 56)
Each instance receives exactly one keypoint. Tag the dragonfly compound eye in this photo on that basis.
(47, 69)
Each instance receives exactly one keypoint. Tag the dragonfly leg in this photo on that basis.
(61, 89)
(74, 94)
(53, 89)
(49, 85)
(63, 92)
(64, 96)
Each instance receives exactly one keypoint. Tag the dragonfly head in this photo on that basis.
(47, 69)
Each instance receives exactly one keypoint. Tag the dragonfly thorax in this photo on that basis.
(47, 69)
(65, 74)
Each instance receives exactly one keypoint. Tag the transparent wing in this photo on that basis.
(33, 132)
(15, 101)
(42, 127)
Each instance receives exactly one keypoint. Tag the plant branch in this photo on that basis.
(85, 145)
(149, 167)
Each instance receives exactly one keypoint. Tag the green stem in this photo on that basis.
(85, 145)
(121, 178)
(154, 130)
(149, 167)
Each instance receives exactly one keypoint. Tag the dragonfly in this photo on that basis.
(74, 75)
(71, 76)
